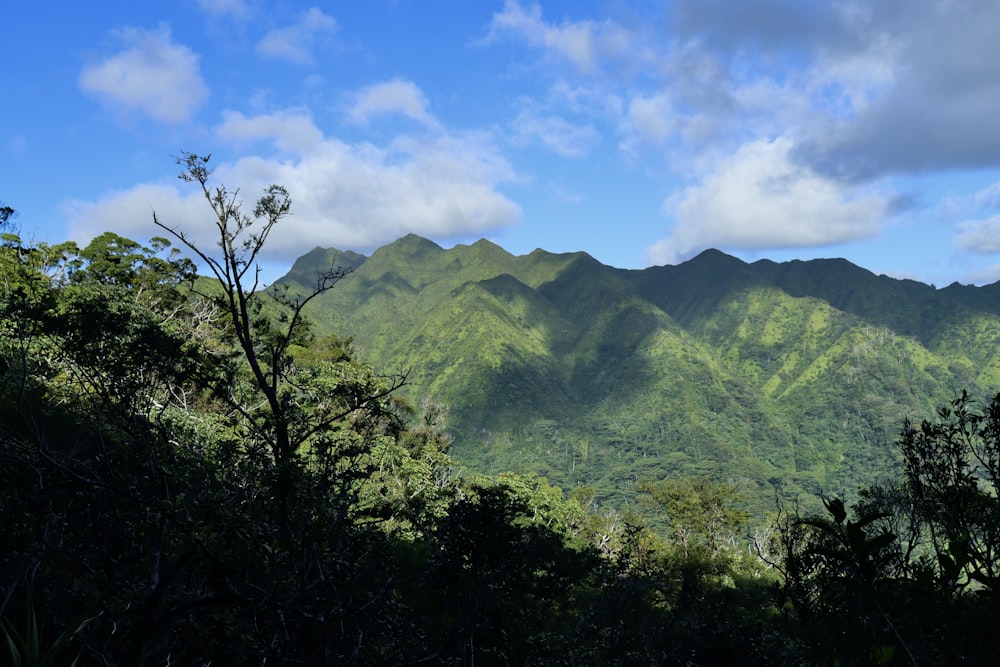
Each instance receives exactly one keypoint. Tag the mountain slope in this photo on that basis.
(794, 375)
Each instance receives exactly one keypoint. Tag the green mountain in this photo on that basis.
(795, 376)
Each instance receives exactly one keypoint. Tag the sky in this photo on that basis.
(640, 132)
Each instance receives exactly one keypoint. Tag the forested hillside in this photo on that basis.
(193, 473)
(764, 375)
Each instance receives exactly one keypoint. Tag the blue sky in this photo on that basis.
(640, 132)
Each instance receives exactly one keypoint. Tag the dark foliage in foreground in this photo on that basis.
(187, 476)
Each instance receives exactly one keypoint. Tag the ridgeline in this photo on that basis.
(792, 376)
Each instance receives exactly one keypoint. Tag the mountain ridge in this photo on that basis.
(797, 373)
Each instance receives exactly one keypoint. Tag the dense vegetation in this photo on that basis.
(189, 474)
(793, 375)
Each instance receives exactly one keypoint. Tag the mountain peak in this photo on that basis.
(486, 243)
(318, 260)
(487, 248)
(717, 259)
(414, 244)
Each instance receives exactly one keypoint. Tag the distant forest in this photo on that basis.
(196, 470)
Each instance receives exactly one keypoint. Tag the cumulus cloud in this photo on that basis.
(665, 90)
(760, 25)
(555, 133)
(868, 90)
(130, 212)
(294, 43)
(760, 198)
(391, 97)
(582, 43)
(150, 74)
(351, 196)
(290, 131)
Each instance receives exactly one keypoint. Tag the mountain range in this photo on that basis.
(791, 378)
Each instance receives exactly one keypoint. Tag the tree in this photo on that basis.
(7, 213)
(25, 296)
(952, 467)
(504, 578)
(266, 345)
(699, 512)
(90, 460)
(142, 485)
(915, 572)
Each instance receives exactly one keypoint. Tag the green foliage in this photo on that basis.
(30, 647)
(505, 577)
(138, 481)
(593, 376)
(699, 513)
(953, 470)
(911, 578)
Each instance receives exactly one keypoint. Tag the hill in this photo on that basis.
(793, 376)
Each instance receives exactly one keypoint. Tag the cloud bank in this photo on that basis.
(348, 195)
(789, 124)
(759, 198)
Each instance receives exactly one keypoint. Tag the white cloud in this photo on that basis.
(130, 212)
(979, 237)
(555, 133)
(759, 198)
(392, 97)
(295, 42)
(582, 43)
(351, 196)
(151, 74)
(291, 131)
